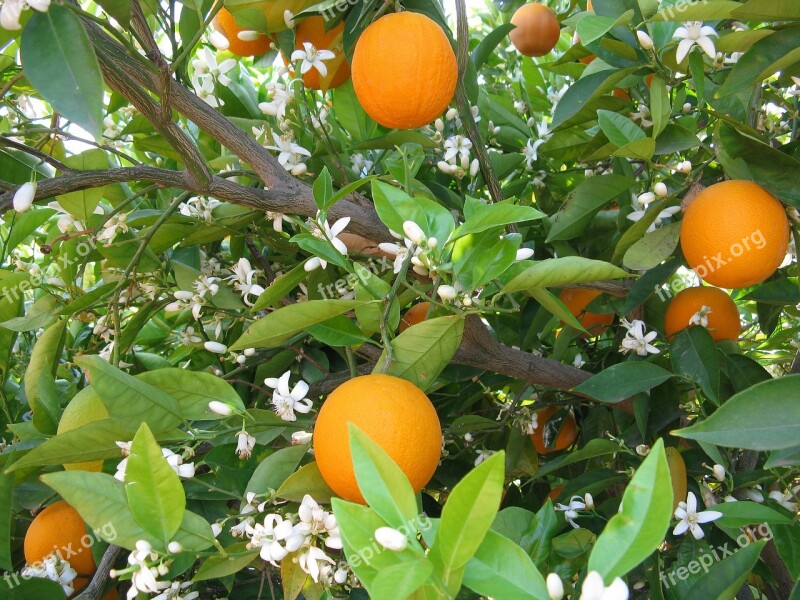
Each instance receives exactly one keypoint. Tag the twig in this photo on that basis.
(43, 156)
(94, 591)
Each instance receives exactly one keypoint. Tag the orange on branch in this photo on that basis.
(404, 70)
(60, 529)
(312, 31)
(546, 439)
(414, 315)
(225, 23)
(720, 311)
(537, 29)
(734, 234)
(576, 300)
(393, 413)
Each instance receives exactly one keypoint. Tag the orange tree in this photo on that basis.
(197, 250)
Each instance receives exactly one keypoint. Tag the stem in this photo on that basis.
(388, 300)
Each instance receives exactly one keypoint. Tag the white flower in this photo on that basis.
(787, 499)
(220, 408)
(661, 189)
(576, 503)
(206, 64)
(644, 40)
(361, 165)
(55, 569)
(595, 589)
(401, 252)
(204, 88)
(447, 292)
(186, 300)
(112, 227)
(642, 449)
(281, 97)
(309, 560)
(664, 214)
(188, 337)
(317, 522)
(414, 232)
(11, 11)
(701, 316)
(185, 470)
(324, 231)
(215, 347)
(391, 539)
(124, 447)
(718, 471)
(245, 444)
(23, 197)
(754, 494)
(145, 578)
(531, 152)
(206, 285)
(457, 148)
(484, 455)
(578, 362)
(693, 32)
(275, 537)
(555, 587)
(200, 207)
(289, 153)
(285, 401)
(243, 275)
(175, 592)
(636, 339)
(690, 519)
(312, 58)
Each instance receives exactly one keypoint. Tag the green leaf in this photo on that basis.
(653, 249)
(764, 58)
(488, 44)
(676, 138)
(763, 417)
(708, 10)
(279, 326)
(556, 272)
(128, 400)
(350, 114)
(779, 292)
(719, 580)
(592, 27)
(489, 216)
(583, 204)
(274, 470)
(660, 106)
(6, 521)
(280, 288)
(551, 303)
(38, 316)
(623, 380)
(466, 518)
(643, 149)
(478, 258)
(321, 248)
(194, 390)
(119, 9)
(501, 569)
(306, 480)
(768, 10)
(577, 104)
(642, 522)
(744, 513)
(154, 491)
(422, 351)
(25, 589)
(694, 355)
(394, 207)
(236, 558)
(323, 189)
(401, 580)
(337, 332)
(619, 130)
(44, 359)
(81, 204)
(89, 299)
(382, 483)
(593, 448)
(536, 539)
(636, 231)
(25, 224)
(60, 63)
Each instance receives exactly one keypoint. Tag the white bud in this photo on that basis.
(589, 501)
(439, 125)
(340, 576)
(219, 41)
(216, 529)
(299, 169)
(248, 35)
(451, 114)
(414, 232)
(468, 438)
(588, 173)
(645, 40)
(718, 472)
(249, 352)
(474, 167)
(174, 548)
(642, 449)
(391, 539)
(555, 587)
(221, 408)
(23, 198)
(432, 243)
(216, 347)
(241, 359)
(300, 438)
(447, 292)
(687, 108)
(288, 19)
(661, 189)
(183, 295)
(524, 253)
(684, 167)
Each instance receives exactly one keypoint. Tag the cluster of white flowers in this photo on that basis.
(186, 300)
(112, 227)
(243, 281)
(55, 569)
(642, 203)
(592, 588)
(416, 243)
(456, 148)
(576, 504)
(146, 566)
(531, 149)
(636, 340)
(286, 401)
(207, 73)
(320, 228)
(290, 154)
(175, 461)
(200, 207)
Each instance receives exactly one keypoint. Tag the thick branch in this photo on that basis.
(94, 590)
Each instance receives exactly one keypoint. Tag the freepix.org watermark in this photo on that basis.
(714, 555)
(65, 553)
(750, 243)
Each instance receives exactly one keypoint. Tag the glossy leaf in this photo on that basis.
(557, 272)
(623, 380)
(306, 480)
(401, 580)
(695, 357)
(273, 471)
(583, 204)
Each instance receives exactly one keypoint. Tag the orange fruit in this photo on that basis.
(86, 407)
(734, 234)
(537, 29)
(404, 70)
(225, 23)
(543, 436)
(59, 528)
(576, 300)
(677, 473)
(312, 30)
(723, 318)
(394, 413)
(415, 314)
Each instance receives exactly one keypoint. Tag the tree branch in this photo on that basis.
(94, 591)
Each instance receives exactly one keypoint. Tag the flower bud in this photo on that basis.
(645, 40)
(23, 197)
(451, 114)
(661, 189)
(219, 41)
(248, 35)
(391, 539)
(183, 295)
(439, 125)
(719, 472)
(300, 438)
(215, 347)
(174, 548)
(474, 167)
(524, 253)
(646, 198)
(414, 233)
(684, 167)
(447, 292)
(555, 587)
(220, 408)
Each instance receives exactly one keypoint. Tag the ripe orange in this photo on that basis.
(543, 436)
(404, 70)
(723, 320)
(394, 413)
(60, 529)
(734, 234)
(86, 407)
(312, 30)
(225, 23)
(677, 473)
(415, 314)
(576, 300)
(537, 29)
